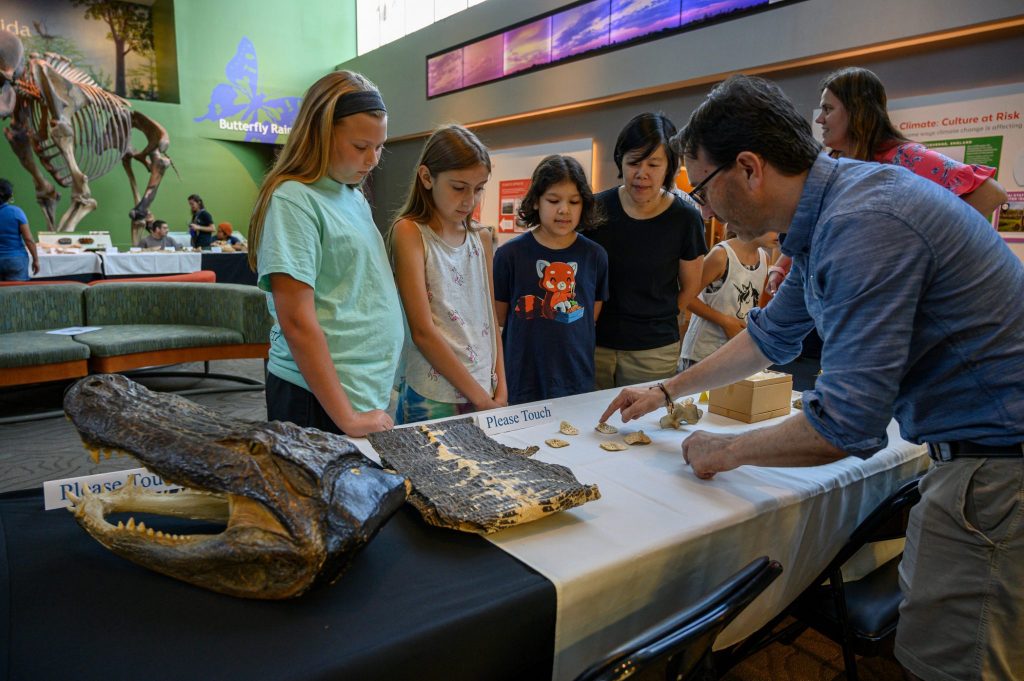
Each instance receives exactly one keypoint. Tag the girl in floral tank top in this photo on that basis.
(453, 359)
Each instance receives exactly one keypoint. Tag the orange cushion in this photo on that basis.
(202, 277)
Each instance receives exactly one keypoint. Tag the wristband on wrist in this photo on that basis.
(669, 404)
(779, 270)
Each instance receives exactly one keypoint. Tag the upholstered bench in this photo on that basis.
(27, 353)
(141, 324)
(148, 324)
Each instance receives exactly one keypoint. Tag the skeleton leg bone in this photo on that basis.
(155, 159)
(46, 194)
(82, 202)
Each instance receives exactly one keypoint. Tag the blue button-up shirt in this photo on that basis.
(920, 305)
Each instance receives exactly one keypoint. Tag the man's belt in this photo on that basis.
(947, 451)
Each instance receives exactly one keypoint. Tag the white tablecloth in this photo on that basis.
(150, 262)
(66, 264)
(659, 538)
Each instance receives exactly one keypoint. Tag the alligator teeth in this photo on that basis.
(150, 532)
(159, 534)
(120, 524)
(141, 527)
(131, 524)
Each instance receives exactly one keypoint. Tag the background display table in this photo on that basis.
(84, 266)
(230, 268)
(149, 263)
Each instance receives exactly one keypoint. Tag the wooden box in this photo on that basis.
(763, 396)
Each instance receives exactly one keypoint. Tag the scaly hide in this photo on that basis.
(466, 481)
(298, 503)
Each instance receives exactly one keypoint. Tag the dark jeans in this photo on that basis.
(289, 402)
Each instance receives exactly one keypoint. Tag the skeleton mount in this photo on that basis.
(77, 130)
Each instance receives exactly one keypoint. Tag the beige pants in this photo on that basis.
(616, 368)
(962, 575)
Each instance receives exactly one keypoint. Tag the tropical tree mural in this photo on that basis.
(130, 29)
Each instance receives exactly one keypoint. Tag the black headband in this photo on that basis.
(358, 102)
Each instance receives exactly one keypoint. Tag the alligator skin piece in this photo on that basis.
(464, 480)
(298, 503)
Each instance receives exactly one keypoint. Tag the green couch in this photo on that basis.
(142, 324)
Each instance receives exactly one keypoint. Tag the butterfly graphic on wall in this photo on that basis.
(241, 103)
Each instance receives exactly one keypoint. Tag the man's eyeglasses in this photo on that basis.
(699, 194)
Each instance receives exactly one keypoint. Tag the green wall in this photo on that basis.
(293, 50)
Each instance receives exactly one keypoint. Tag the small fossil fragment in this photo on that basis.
(556, 443)
(798, 403)
(614, 446)
(682, 411)
(568, 429)
(637, 438)
(603, 427)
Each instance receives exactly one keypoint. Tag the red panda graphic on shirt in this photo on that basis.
(558, 281)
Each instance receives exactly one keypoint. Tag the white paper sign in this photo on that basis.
(74, 330)
(135, 249)
(111, 249)
(216, 249)
(55, 492)
(515, 418)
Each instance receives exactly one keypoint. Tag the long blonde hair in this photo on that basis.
(450, 147)
(307, 153)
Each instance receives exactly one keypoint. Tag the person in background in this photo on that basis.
(549, 286)
(920, 326)
(338, 329)
(201, 226)
(453, 362)
(225, 235)
(732, 281)
(655, 245)
(855, 124)
(157, 237)
(17, 249)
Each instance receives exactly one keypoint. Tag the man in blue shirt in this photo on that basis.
(916, 299)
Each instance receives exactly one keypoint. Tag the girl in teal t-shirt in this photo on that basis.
(338, 331)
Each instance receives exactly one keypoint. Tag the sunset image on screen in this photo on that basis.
(483, 60)
(527, 46)
(634, 18)
(444, 73)
(701, 10)
(580, 29)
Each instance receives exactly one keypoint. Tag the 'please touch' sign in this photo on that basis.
(514, 418)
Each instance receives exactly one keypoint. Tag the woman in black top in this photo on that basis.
(655, 245)
(201, 228)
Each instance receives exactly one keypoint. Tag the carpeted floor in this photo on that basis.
(34, 451)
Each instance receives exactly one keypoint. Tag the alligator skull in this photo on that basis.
(297, 503)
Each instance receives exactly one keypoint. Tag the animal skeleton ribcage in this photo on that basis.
(102, 126)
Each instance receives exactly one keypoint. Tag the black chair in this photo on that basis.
(860, 616)
(684, 641)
